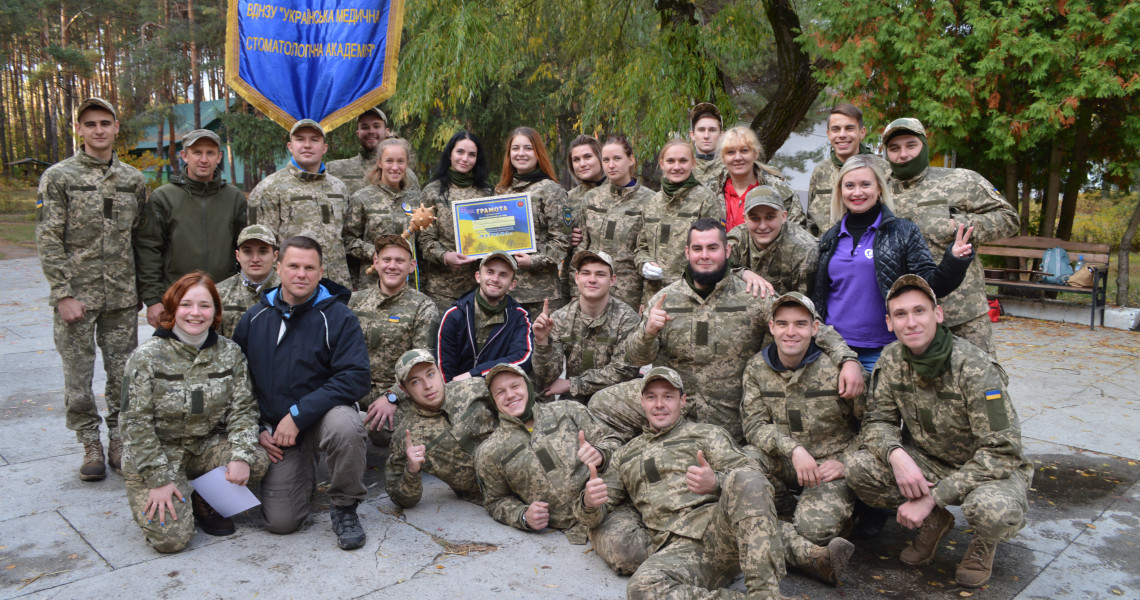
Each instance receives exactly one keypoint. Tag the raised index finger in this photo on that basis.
(545, 307)
(408, 438)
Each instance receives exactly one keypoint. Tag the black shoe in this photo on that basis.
(868, 521)
(209, 519)
(346, 525)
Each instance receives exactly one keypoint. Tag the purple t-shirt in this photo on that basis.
(855, 307)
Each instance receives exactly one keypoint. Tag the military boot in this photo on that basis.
(210, 520)
(93, 468)
(934, 528)
(831, 560)
(115, 455)
(976, 567)
(349, 533)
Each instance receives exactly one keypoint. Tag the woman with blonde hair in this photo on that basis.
(379, 208)
(866, 250)
(527, 169)
(740, 151)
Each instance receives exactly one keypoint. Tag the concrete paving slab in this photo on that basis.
(42, 550)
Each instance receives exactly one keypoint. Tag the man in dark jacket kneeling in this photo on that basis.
(309, 366)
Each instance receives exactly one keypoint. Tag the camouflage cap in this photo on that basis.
(303, 123)
(500, 255)
(375, 110)
(703, 109)
(911, 280)
(503, 368)
(410, 359)
(795, 298)
(393, 240)
(95, 103)
(763, 195)
(904, 125)
(198, 135)
(260, 233)
(665, 373)
(583, 255)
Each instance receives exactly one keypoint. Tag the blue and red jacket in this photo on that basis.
(511, 342)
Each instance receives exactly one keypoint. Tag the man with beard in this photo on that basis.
(708, 325)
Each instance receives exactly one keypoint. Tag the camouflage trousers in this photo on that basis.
(995, 510)
(743, 535)
(622, 540)
(979, 332)
(116, 332)
(176, 531)
(822, 513)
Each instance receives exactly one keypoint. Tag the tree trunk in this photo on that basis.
(158, 150)
(1049, 210)
(1122, 256)
(195, 77)
(49, 125)
(5, 158)
(797, 89)
(1026, 198)
(17, 92)
(174, 167)
(67, 79)
(1078, 171)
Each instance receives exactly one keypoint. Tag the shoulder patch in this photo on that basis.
(993, 395)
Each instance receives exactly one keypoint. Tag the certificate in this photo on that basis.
(485, 225)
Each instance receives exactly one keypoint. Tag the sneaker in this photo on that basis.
(934, 528)
(831, 560)
(209, 519)
(115, 455)
(976, 567)
(346, 525)
(93, 468)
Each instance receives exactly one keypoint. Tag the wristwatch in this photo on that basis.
(392, 398)
(525, 526)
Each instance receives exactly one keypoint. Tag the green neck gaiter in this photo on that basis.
(671, 188)
(462, 180)
(528, 414)
(863, 149)
(936, 360)
(487, 308)
(911, 168)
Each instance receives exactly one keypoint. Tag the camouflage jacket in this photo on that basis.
(619, 408)
(86, 215)
(238, 297)
(800, 407)
(712, 172)
(373, 211)
(393, 325)
(664, 233)
(589, 349)
(938, 200)
(788, 263)
(517, 466)
(177, 397)
(965, 419)
(553, 221)
(708, 342)
(767, 175)
(439, 239)
(451, 436)
(354, 172)
(820, 188)
(295, 202)
(613, 223)
(651, 472)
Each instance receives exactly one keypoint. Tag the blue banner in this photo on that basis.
(326, 60)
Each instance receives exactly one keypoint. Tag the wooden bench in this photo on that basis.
(1027, 248)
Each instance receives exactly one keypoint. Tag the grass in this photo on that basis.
(1113, 269)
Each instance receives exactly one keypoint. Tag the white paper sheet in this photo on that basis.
(227, 498)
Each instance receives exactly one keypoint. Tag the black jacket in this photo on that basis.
(899, 249)
(320, 362)
(511, 342)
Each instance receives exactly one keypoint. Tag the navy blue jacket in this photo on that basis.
(320, 362)
(511, 342)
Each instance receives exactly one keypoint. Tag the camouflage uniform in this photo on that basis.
(238, 295)
(766, 175)
(354, 172)
(517, 466)
(553, 221)
(700, 542)
(801, 407)
(788, 263)
(819, 192)
(86, 212)
(443, 284)
(374, 211)
(938, 200)
(589, 348)
(613, 224)
(665, 232)
(708, 342)
(393, 325)
(576, 200)
(451, 435)
(295, 202)
(710, 171)
(186, 411)
(961, 430)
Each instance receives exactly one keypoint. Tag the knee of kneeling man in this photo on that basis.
(168, 545)
(748, 482)
(993, 523)
(282, 525)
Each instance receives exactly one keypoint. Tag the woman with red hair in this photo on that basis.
(188, 408)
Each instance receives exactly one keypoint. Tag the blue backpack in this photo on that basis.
(1055, 262)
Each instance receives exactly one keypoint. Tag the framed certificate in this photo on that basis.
(484, 225)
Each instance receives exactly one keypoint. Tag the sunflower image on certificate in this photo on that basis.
(485, 225)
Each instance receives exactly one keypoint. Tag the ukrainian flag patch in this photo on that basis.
(396, 319)
(993, 395)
